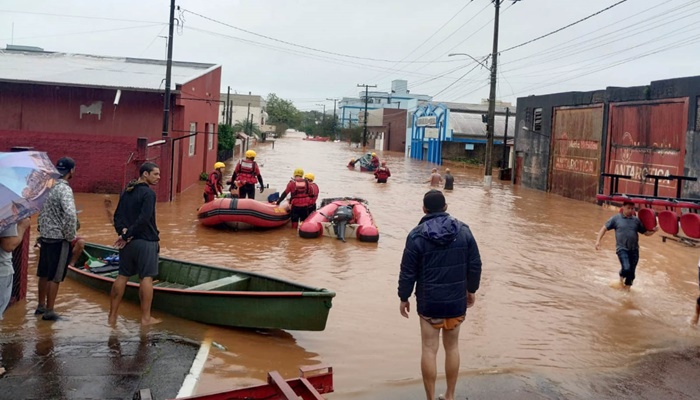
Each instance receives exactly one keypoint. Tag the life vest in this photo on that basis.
(301, 196)
(246, 172)
(214, 183)
(374, 162)
(382, 173)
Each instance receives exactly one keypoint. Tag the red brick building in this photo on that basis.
(95, 108)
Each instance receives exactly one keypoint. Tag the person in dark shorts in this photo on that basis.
(137, 241)
(59, 222)
(627, 229)
(442, 261)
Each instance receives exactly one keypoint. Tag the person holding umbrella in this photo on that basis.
(25, 181)
(10, 238)
(59, 222)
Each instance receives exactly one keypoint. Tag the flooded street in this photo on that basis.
(547, 302)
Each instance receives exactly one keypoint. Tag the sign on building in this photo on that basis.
(431, 133)
(427, 121)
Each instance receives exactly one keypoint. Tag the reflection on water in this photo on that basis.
(546, 300)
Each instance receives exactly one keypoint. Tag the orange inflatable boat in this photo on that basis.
(242, 213)
(344, 217)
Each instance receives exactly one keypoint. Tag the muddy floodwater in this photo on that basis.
(547, 304)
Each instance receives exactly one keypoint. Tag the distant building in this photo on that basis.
(565, 141)
(444, 130)
(107, 114)
(251, 106)
(351, 108)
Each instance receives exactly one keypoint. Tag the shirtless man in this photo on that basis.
(435, 178)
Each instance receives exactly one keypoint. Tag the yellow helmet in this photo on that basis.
(298, 172)
(219, 165)
(309, 176)
(374, 154)
(250, 154)
(352, 160)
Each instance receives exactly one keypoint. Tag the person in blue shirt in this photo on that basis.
(627, 229)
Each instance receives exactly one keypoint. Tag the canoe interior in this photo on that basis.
(175, 274)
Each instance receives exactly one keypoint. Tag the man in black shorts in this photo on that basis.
(58, 222)
(137, 241)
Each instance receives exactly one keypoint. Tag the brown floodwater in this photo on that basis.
(547, 302)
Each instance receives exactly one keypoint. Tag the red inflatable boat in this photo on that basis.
(341, 218)
(243, 214)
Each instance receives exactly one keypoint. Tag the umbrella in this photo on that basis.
(25, 180)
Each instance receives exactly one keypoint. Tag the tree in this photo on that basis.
(226, 138)
(282, 112)
(251, 129)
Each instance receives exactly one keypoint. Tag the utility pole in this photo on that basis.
(335, 135)
(323, 116)
(364, 131)
(505, 139)
(168, 69)
(492, 99)
(247, 115)
(227, 108)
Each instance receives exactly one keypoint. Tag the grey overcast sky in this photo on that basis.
(318, 49)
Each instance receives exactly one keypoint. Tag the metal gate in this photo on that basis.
(576, 151)
(647, 138)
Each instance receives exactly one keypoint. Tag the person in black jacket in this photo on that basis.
(442, 260)
(137, 241)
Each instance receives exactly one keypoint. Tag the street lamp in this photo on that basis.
(491, 116)
(475, 60)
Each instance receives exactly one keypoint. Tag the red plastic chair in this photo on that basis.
(668, 221)
(690, 223)
(648, 218)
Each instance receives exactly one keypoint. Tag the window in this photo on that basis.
(537, 119)
(210, 130)
(193, 138)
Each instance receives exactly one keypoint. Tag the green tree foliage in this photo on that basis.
(353, 135)
(282, 113)
(252, 128)
(226, 139)
(313, 124)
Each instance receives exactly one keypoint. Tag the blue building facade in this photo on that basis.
(430, 123)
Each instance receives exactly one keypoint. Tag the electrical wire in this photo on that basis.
(564, 27)
(299, 45)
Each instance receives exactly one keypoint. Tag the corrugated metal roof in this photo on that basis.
(465, 124)
(94, 71)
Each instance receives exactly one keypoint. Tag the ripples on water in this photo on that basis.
(546, 300)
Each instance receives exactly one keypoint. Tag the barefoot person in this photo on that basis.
(627, 228)
(137, 241)
(441, 259)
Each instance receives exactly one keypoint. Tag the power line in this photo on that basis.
(79, 16)
(90, 32)
(299, 45)
(458, 79)
(564, 27)
(433, 35)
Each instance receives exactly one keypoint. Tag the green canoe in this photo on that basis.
(215, 295)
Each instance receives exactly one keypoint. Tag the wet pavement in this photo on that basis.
(74, 369)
